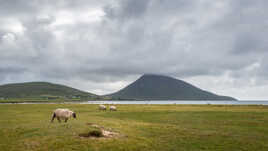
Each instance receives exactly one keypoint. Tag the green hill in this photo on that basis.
(41, 90)
(158, 87)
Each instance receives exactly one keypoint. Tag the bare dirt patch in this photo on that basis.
(100, 132)
(93, 133)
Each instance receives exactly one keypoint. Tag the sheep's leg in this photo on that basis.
(58, 119)
(66, 120)
(52, 120)
(53, 116)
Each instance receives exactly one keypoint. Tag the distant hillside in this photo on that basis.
(162, 87)
(41, 90)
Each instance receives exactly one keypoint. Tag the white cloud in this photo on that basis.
(100, 46)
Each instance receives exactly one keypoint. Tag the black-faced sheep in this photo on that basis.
(63, 114)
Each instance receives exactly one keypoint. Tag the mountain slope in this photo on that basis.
(40, 89)
(151, 86)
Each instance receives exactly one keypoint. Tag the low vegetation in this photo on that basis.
(141, 128)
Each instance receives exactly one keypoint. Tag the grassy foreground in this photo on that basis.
(143, 128)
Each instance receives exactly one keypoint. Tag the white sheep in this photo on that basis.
(64, 114)
(113, 108)
(102, 107)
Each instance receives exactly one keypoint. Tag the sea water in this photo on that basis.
(200, 102)
(251, 102)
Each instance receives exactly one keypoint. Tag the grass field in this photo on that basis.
(141, 127)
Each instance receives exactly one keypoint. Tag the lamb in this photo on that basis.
(102, 107)
(63, 114)
(113, 108)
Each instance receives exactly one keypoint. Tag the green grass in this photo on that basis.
(143, 128)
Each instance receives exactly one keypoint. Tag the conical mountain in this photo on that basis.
(156, 87)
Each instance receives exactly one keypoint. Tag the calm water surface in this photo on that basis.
(251, 102)
(180, 102)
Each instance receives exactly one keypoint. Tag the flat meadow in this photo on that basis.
(139, 128)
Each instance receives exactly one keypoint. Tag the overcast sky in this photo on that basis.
(100, 46)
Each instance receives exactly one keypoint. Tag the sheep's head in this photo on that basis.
(74, 115)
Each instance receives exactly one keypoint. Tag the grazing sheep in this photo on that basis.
(64, 114)
(113, 108)
(102, 107)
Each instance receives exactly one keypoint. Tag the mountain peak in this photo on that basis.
(155, 86)
(153, 75)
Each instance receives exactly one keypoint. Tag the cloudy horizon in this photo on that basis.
(101, 46)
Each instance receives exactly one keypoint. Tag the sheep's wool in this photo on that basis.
(112, 108)
(102, 107)
(63, 113)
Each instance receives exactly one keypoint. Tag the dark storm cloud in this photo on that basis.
(8, 70)
(15, 7)
(128, 9)
(89, 44)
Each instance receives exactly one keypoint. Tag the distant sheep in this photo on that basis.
(63, 114)
(102, 107)
(113, 108)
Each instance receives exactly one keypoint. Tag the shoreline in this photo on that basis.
(148, 102)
